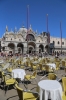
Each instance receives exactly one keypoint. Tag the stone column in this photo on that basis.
(16, 49)
(25, 48)
(37, 48)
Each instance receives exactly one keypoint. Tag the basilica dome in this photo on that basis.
(23, 29)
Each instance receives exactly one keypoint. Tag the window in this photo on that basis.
(62, 43)
(3, 48)
(53, 42)
(3, 43)
(58, 42)
(19, 39)
(11, 38)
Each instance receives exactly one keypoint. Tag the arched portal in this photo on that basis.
(11, 47)
(41, 48)
(31, 47)
(3, 48)
(20, 47)
(47, 47)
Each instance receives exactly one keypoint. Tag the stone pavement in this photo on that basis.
(12, 93)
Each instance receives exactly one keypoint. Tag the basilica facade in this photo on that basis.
(29, 41)
(23, 41)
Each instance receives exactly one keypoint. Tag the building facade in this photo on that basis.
(23, 41)
(59, 45)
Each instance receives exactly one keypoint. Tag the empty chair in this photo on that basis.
(52, 76)
(26, 95)
(64, 88)
(63, 64)
(32, 76)
(64, 85)
(57, 66)
(33, 66)
(8, 81)
(9, 69)
(41, 68)
(48, 69)
(27, 64)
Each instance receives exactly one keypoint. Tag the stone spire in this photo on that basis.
(15, 30)
(30, 28)
(6, 28)
(42, 33)
(36, 31)
(11, 29)
(23, 25)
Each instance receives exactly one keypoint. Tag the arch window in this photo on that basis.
(62, 43)
(30, 36)
(58, 42)
(19, 39)
(3, 48)
(53, 42)
(11, 38)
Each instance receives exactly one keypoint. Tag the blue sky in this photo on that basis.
(14, 13)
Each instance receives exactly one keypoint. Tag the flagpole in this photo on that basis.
(47, 23)
(61, 35)
(47, 30)
(27, 24)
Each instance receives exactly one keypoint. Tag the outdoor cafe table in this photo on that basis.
(50, 89)
(18, 73)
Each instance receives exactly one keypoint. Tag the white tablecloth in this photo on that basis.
(50, 89)
(35, 62)
(52, 65)
(6, 66)
(1, 61)
(16, 59)
(18, 73)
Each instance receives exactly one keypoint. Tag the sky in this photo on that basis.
(13, 13)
